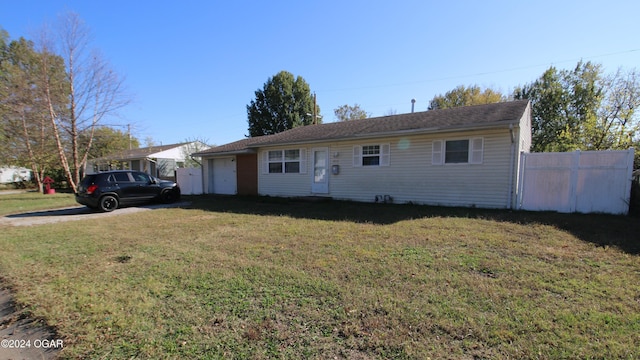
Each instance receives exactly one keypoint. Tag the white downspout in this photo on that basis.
(511, 166)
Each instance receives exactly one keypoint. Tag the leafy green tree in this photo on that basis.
(28, 136)
(547, 96)
(464, 96)
(107, 140)
(347, 112)
(284, 102)
(583, 109)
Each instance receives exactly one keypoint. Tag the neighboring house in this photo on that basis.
(160, 161)
(466, 156)
(14, 174)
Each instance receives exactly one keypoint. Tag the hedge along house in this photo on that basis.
(466, 156)
(160, 161)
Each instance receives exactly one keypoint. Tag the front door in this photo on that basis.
(320, 175)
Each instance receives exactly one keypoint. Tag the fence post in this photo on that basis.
(629, 182)
(573, 181)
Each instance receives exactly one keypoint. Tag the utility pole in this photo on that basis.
(315, 109)
(129, 134)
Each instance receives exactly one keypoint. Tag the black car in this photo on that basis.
(108, 190)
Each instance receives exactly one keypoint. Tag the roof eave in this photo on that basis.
(225, 153)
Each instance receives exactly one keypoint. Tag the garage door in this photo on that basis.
(222, 176)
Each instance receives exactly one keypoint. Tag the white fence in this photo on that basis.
(189, 180)
(581, 181)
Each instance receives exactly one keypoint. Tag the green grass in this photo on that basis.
(270, 278)
(33, 201)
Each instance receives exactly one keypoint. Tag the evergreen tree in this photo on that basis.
(284, 102)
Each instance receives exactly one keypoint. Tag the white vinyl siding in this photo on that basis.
(411, 176)
(283, 184)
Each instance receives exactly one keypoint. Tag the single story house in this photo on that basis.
(14, 174)
(466, 156)
(160, 161)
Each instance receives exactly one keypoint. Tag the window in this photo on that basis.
(135, 164)
(456, 151)
(290, 161)
(275, 162)
(118, 178)
(371, 155)
(141, 177)
(121, 177)
(465, 151)
(103, 167)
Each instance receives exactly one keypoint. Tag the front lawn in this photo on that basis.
(34, 201)
(270, 278)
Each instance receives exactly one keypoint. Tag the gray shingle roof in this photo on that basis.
(465, 117)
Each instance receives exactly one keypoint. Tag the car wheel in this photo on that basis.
(108, 203)
(169, 196)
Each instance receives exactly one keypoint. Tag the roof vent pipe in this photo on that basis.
(413, 102)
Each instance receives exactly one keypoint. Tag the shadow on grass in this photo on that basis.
(76, 210)
(83, 210)
(622, 232)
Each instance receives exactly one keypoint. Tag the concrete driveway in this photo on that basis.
(76, 213)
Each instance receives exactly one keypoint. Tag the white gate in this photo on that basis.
(190, 180)
(580, 181)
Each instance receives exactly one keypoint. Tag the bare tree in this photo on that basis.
(617, 124)
(94, 92)
(194, 145)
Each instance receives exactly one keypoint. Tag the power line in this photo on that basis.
(526, 67)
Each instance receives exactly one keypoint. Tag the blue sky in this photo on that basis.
(193, 66)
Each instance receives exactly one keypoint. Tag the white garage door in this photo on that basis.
(222, 176)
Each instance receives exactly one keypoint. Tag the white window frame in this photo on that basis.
(475, 154)
(301, 160)
(384, 155)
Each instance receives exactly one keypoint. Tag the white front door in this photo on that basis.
(320, 175)
(222, 174)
